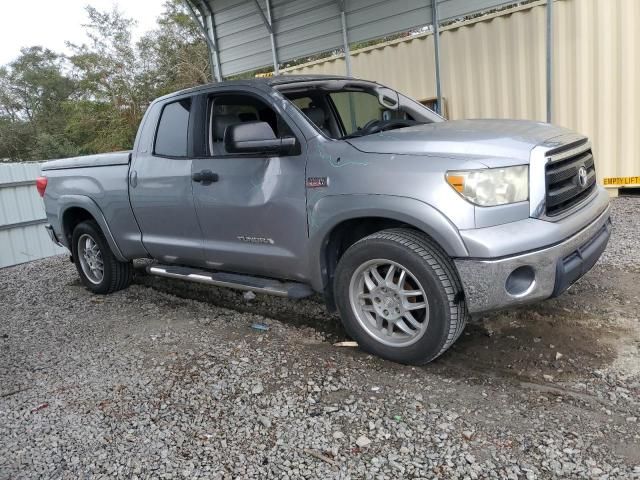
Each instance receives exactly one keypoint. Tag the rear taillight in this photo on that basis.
(41, 185)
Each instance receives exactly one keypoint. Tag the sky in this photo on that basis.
(51, 23)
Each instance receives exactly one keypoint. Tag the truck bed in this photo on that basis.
(98, 184)
(98, 160)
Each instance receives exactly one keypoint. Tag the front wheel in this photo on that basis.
(98, 268)
(399, 296)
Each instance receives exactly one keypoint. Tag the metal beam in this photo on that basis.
(23, 223)
(203, 30)
(21, 183)
(345, 37)
(268, 23)
(549, 61)
(436, 48)
(210, 24)
(274, 49)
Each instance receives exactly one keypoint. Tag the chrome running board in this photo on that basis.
(233, 280)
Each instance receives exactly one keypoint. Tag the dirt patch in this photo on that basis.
(528, 344)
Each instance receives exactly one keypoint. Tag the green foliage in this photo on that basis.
(176, 50)
(52, 105)
(32, 91)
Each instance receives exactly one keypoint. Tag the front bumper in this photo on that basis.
(547, 271)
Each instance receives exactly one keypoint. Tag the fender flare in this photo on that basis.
(330, 211)
(66, 202)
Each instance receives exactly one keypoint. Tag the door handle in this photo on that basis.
(133, 179)
(206, 177)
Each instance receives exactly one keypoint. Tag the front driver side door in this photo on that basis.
(253, 211)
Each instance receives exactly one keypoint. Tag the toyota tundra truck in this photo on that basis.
(406, 223)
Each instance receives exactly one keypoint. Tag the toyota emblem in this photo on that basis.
(582, 177)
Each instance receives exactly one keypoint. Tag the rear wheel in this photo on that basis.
(98, 268)
(399, 296)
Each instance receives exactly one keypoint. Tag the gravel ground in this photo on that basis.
(168, 379)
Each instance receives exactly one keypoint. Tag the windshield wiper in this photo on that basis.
(392, 125)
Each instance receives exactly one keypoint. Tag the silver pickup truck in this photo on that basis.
(406, 223)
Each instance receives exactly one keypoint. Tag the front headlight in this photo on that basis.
(492, 186)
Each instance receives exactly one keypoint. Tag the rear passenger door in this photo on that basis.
(160, 184)
(253, 216)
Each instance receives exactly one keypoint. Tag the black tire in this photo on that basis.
(116, 275)
(435, 272)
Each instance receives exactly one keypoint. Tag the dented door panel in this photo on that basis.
(253, 218)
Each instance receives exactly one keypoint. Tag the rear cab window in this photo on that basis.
(172, 135)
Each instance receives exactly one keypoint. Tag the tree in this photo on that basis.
(109, 72)
(33, 89)
(92, 101)
(176, 50)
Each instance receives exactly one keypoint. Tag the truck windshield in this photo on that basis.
(355, 112)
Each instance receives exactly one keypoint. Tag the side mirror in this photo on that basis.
(256, 137)
(388, 98)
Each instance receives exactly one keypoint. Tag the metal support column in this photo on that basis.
(345, 37)
(549, 61)
(268, 23)
(436, 48)
(274, 49)
(211, 47)
(210, 24)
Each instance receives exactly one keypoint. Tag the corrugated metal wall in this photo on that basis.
(494, 66)
(597, 81)
(22, 234)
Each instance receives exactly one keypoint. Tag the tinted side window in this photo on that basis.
(173, 129)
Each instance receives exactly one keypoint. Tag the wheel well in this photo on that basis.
(71, 218)
(343, 236)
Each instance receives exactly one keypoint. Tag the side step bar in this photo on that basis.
(233, 280)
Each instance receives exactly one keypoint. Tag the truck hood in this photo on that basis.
(492, 142)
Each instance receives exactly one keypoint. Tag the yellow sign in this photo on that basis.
(264, 75)
(619, 181)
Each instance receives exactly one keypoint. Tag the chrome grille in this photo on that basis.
(566, 184)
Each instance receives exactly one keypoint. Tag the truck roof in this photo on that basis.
(261, 81)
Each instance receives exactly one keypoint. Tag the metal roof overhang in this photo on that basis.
(245, 35)
(251, 34)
